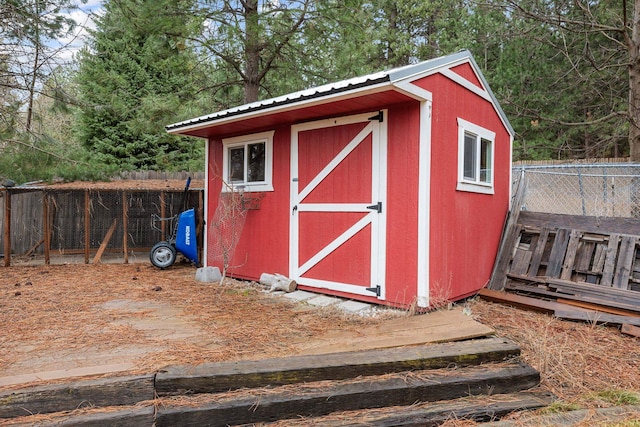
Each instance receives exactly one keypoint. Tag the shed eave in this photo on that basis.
(397, 79)
(236, 115)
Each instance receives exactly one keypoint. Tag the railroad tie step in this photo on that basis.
(225, 376)
(479, 409)
(326, 397)
(103, 392)
(355, 380)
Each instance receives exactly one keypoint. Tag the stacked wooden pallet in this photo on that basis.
(589, 266)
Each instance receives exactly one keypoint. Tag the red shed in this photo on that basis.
(389, 188)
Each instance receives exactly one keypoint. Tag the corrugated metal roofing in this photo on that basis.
(342, 87)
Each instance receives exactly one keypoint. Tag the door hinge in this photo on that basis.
(379, 117)
(376, 207)
(376, 290)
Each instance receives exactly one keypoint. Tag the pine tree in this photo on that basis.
(136, 76)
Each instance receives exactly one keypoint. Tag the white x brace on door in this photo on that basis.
(338, 195)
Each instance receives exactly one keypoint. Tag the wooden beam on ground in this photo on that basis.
(224, 376)
(437, 326)
(7, 228)
(105, 241)
(33, 248)
(560, 310)
(577, 302)
(598, 317)
(630, 330)
(267, 405)
(519, 301)
(603, 293)
(74, 395)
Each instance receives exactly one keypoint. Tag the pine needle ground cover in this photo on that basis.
(64, 316)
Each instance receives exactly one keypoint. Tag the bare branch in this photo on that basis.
(50, 153)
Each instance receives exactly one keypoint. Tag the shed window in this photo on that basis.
(247, 162)
(475, 158)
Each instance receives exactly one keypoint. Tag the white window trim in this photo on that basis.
(240, 141)
(465, 184)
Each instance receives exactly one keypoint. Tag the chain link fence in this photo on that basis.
(600, 190)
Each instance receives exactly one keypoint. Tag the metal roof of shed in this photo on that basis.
(376, 83)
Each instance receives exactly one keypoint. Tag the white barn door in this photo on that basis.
(338, 195)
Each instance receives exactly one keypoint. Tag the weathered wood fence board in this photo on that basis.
(75, 222)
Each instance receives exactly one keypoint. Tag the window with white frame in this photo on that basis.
(475, 158)
(247, 162)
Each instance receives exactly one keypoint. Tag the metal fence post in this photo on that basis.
(581, 186)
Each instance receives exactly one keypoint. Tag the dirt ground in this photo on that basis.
(60, 315)
(70, 316)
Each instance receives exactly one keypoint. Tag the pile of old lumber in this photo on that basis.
(575, 267)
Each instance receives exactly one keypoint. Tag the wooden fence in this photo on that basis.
(601, 160)
(43, 223)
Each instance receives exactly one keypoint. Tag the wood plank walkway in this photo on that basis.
(433, 327)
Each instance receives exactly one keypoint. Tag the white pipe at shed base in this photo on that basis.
(278, 282)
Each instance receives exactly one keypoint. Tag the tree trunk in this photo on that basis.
(634, 104)
(36, 65)
(252, 52)
(634, 85)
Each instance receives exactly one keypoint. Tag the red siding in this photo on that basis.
(402, 203)
(466, 71)
(465, 227)
(264, 242)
